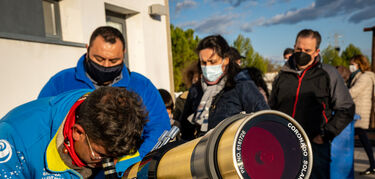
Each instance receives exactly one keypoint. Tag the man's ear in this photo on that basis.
(316, 53)
(78, 132)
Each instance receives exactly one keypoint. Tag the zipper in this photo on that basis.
(299, 87)
(324, 112)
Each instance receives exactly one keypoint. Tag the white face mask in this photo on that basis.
(213, 72)
(352, 68)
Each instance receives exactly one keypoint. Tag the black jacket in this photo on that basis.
(245, 96)
(316, 97)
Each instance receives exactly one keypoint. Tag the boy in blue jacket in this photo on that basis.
(68, 135)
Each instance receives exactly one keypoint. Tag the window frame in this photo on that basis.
(57, 20)
(119, 18)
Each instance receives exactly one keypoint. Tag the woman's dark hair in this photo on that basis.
(215, 42)
(257, 76)
(167, 98)
(221, 47)
(114, 118)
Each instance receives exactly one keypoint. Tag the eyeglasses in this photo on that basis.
(93, 156)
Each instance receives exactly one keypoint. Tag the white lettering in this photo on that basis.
(303, 147)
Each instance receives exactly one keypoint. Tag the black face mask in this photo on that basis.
(100, 73)
(301, 58)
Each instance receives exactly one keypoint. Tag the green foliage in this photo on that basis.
(243, 45)
(254, 59)
(183, 53)
(331, 56)
(350, 52)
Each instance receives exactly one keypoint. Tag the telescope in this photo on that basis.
(263, 145)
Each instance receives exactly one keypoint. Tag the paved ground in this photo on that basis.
(361, 163)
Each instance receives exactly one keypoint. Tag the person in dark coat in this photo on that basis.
(220, 93)
(315, 95)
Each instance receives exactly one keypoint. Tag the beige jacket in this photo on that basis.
(362, 91)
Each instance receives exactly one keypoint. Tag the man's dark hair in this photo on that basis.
(288, 51)
(109, 35)
(114, 118)
(167, 98)
(310, 33)
(221, 47)
(234, 54)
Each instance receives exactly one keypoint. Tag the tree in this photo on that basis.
(350, 52)
(331, 56)
(254, 59)
(183, 53)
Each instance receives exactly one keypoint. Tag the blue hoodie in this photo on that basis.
(158, 121)
(28, 138)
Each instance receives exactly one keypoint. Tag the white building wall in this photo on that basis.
(27, 66)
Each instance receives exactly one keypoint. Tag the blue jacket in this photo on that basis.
(76, 78)
(27, 138)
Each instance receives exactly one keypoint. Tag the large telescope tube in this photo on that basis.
(261, 145)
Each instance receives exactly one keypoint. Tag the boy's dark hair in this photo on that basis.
(257, 76)
(310, 33)
(344, 72)
(221, 47)
(109, 34)
(288, 51)
(114, 118)
(189, 72)
(167, 98)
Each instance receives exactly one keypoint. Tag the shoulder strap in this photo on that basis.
(215, 101)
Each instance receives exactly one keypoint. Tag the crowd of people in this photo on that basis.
(101, 109)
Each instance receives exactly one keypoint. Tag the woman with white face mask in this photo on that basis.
(361, 88)
(219, 93)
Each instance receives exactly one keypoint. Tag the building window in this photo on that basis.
(117, 21)
(51, 18)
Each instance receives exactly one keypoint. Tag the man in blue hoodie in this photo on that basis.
(68, 135)
(103, 65)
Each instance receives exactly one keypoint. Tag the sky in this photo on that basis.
(272, 25)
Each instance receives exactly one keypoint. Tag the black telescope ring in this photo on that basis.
(253, 120)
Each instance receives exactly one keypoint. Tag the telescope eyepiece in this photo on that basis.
(109, 168)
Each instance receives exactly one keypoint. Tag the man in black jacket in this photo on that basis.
(315, 95)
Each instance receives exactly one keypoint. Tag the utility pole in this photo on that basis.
(373, 45)
(336, 37)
